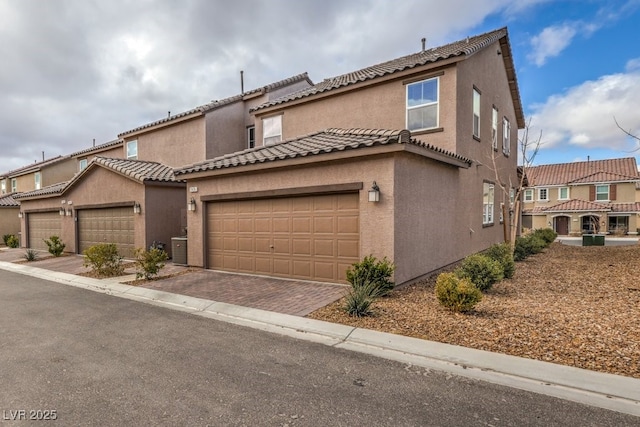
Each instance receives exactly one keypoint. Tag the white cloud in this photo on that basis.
(583, 116)
(550, 42)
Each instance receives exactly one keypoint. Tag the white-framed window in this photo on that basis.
(82, 165)
(37, 180)
(14, 185)
(563, 193)
(476, 113)
(487, 203)
(494, 128)
(543, 194)
(506, 136)
(3, 186)
(602, 192)
(132, 150)
(528, 195)
(251, 136)
(422, 104)
(271, 130)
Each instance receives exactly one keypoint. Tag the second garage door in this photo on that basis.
(108, 225)
(43, 225)
(311, 237)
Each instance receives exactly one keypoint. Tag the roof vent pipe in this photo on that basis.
(424, 44)
(43, 156)
(168, 114)
(94, 142)
(242, 82)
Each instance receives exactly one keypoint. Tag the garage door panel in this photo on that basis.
(107, 225)
(311, 237)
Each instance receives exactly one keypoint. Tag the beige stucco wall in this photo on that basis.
(9, 221)
(226, 130)
(116, 152)
(60, 171)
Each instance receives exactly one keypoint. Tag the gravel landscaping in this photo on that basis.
(576, 306)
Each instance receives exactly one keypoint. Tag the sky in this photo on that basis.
(78, 70)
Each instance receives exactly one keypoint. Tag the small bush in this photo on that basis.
(481, 270)
(362, 294)
(528, 245)
(55, 245)
(12, 241)
(31, 255)
(104, 260)
(373, 271)
(457, 294)
(546, 234)
(5, 238)
(502, 253)
(150, 262)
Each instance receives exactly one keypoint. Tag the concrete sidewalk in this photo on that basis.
(602, 390)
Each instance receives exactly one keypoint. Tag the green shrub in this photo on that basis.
(502, 253)
(481, 270)
(5, 238)
(362, 294)
(31, 255)
(104, 260)
(149, 262)
(55, 245)
(12, 241)
(546, 234)
(457, 294)
(373, 271)
(528, 245)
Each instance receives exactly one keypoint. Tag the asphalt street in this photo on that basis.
(86, 358)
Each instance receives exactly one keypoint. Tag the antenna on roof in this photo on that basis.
(168, 114)
(424, 44)
(94, 142)
(242, 82)
(43, 156)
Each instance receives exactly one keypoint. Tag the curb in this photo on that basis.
(607, 391)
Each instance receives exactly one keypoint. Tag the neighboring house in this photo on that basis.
(102, 209)
(400, 160)
(9, 221)
(38, 175)
(131, 203)
(596, 196)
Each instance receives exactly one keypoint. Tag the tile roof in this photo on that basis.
(577, 205)
(7, 201)
(44, 191)
(467, 46)
(138, 170)
(564, 173)
(605, 177)
(327, 141)
(98, 147)
(625, 207)
(34, 167)
(222, 102)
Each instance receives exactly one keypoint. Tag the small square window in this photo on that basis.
(543, 194)
(82, 164)
(528, 195)
(563, 193)
(602, 192)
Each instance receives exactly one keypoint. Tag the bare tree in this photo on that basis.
(628, 132)
(512, 191)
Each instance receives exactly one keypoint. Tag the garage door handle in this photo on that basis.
(271, 246)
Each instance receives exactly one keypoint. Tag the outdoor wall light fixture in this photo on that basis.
(191, 206)
(20, 214)
(374, 193)
(69, 212)
(61, 212)
(136, 208)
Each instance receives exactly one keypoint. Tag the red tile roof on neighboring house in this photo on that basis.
(625, 207)
(222, 102)
(577, 205)
(7, 201)
(605, 177)
(459, 48)
(327, 141)
(34, 167)
(565, 173)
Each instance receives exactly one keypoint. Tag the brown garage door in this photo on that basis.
(311, 238)
(43, 225)
(108, 225)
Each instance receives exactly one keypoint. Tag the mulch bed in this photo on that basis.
(571, 305)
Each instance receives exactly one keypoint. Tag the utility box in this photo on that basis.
(179, 250)
(587, 240)
(598, 240)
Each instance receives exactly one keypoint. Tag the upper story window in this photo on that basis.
(82, 164)
(543, 194)
(487, 203)
(528, 195)
(3, 186)
(563, 193)
(602, 192)
(132, 150)
(476, 113)
(14, 185)
(494, 129)
(272, 130)
(506, 136)
(251, 136)
(37, 178)
(422, 104)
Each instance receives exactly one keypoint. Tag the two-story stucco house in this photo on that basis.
(596, 196)
(125, 191)
(394, 160)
